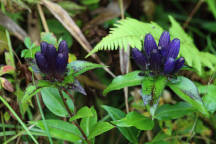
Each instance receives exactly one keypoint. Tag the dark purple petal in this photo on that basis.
(43, 46)
(149, 44)
(155, 60)
(164, 42)
(139, 58)
(41, 62)
(63, 47)
(173, 48)
(169, 65)
(179, 64)
(61, 63)
(50, 56)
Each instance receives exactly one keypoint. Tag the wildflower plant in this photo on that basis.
(59, 80)
(159, 66)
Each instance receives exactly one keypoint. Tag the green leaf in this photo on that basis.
(82, 113)
(31, 90)
(30, 53)
(168, 112)
(99, 128)
(152, 88)
(186, 90)
(54, 103)
(80, 67)
(127, 32)
(129, 133)
(137, 120)
(88, 123)
(89, 2)
(61, 130)
(212, 6)
(209, 98)
(27, 42)
(193, 57)
(49, 38)
(127, 80)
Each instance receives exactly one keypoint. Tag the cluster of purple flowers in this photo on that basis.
(52, 62)
(159, 59)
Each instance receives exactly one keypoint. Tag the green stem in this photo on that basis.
(19, 120)
(71, 114)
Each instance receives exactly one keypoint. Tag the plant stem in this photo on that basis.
(71, 114)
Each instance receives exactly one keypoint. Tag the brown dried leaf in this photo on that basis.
(12, 26)
(6, 84)
(68, 23)
(71, 26)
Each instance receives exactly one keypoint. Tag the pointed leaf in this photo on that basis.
(168, 112)
(137, 120)
(127, 80)
(100, 128)
(54, 103)
(116, 114)
(61, 130)
(82, 113)
(80, 67)
(186, 90)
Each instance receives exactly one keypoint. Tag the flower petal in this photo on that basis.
(61, 63)
(173, 48)
(63, 47)
(169, 65)
(41, 62)
(164, 42)
(43, 46)
(149, 44)
(139, 58)
(51, 55)
(155, 61)
(179, 64)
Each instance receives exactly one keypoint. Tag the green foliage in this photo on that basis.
(168, 112)
(135, 119)
(193, 57)
(127, 32)
(82, 113)
(31, 49)
(100, 128)
(131, 32)
(129, 133)
(152, 87)
(127, 80)
(30, 91)
(54, 103)
(186, 90)
(212, 6)
(88, 123)
(78, 67)
(61, 130)
(209, 98)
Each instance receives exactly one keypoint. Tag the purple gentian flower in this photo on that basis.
(159, 59)
(52, 62)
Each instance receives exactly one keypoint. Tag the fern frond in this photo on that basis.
(127, 32)
(132, 32)
(193, 57)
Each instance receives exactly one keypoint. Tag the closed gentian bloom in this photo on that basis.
(159, 59)
(52, 62)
